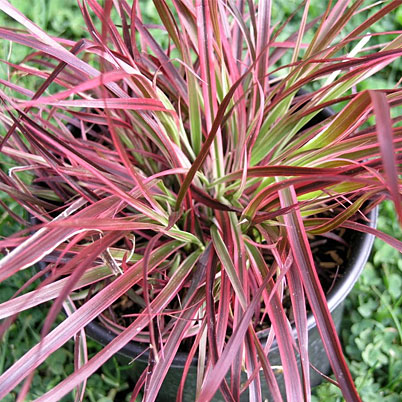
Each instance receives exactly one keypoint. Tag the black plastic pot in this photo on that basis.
(361, 246)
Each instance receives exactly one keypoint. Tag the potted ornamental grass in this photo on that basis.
(196, 189)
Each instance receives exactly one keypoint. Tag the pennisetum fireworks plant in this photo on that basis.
(178, 177)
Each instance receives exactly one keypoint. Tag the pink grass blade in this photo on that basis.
(111, 103)
(207, 36)
(233, 238)
(271, 171)
(347, 213)
(263, 38)
(217, 373)
(111, 76)
(207, 59)
(223, 311)
(268, 372)
(169, 22)
(335, 19)
(300, 317)
(129, 166)
(28, 253)
(301, 32)
(197, 344)
(6, 7)
(22, 197)
(194, 101)
(211, 271)
(305, 264)
(80, 350)
(344, 123)
(385, 139)
(280, 324)
(255, 392)
(192, 299)
(242, 32)
(397, 244)
(50, 292)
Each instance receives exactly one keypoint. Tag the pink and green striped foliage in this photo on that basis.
(162, 176)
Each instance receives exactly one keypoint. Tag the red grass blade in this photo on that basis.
(300, 317)
(111, 103)
(279, 321)
(385, 139)
(397, 244)
(305, 264)
(263, 38)
(50, 292)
